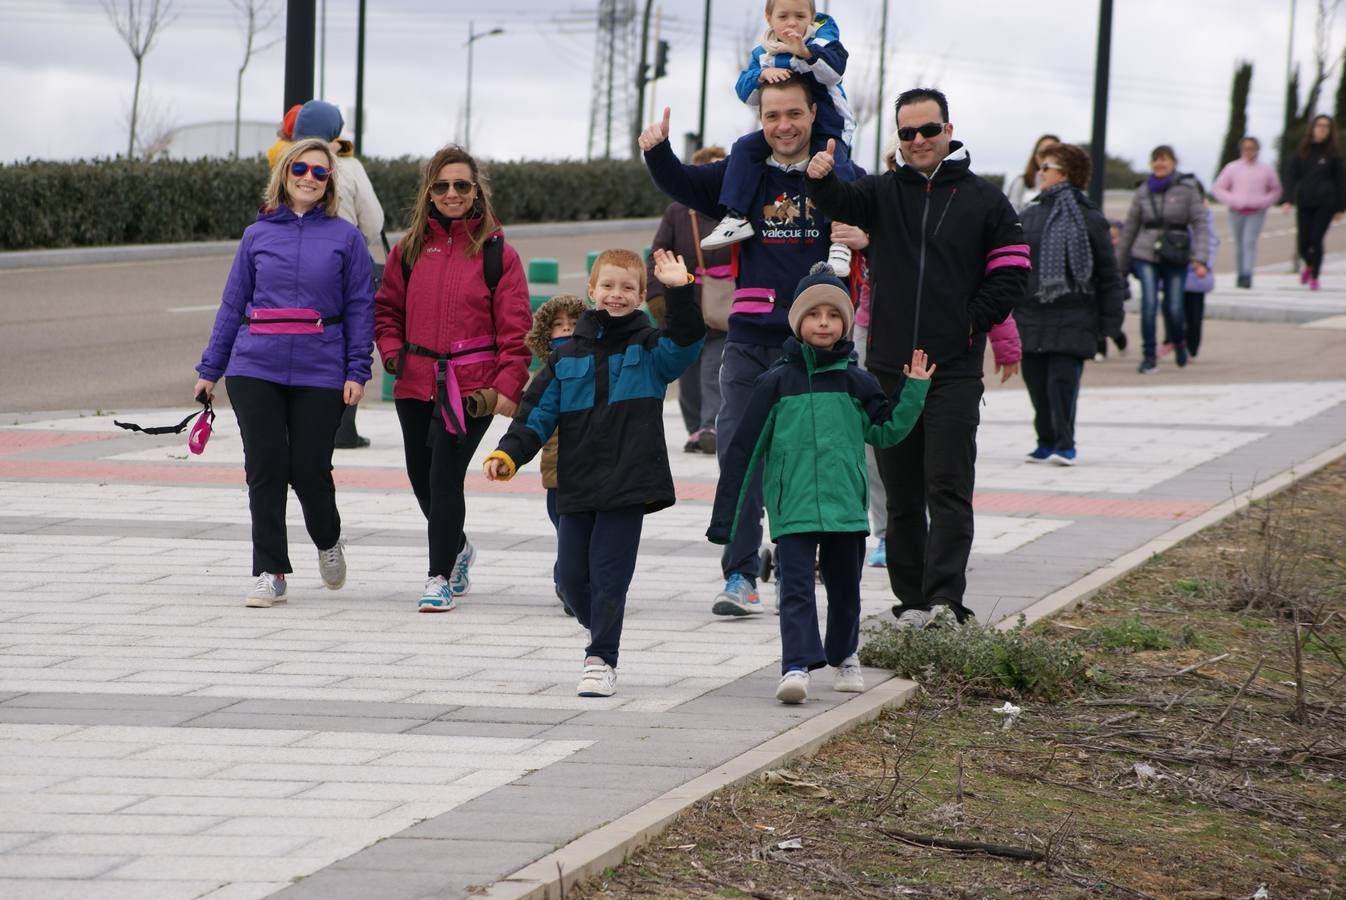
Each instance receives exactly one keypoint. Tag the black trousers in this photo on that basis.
(288, 434)
(1194, 311)
(933, 469)
(436, 465)
(1053, 382)
(597, 553)
(1312, 223)
(841, 559)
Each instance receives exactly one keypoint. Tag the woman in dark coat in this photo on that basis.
(1316, 187)
(1074, 297)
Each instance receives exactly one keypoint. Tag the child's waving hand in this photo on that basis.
(920, 366)
(670, 269)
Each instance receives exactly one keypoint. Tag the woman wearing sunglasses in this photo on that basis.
(450, 321)
(1074, 297)
(293, 338)
(1023, 189)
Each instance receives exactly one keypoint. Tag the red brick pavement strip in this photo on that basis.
(352, 478)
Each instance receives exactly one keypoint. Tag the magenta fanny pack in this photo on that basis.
(288, 320)
(196, 439)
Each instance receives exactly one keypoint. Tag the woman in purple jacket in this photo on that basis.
(294, 337)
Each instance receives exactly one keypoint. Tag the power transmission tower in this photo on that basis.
(613, 102)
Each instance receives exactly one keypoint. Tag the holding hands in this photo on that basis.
(821, 164)
(670, 269)
(920, 366)
(655, 133)
(496, 469)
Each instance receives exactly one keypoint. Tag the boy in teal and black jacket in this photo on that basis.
(807, 425)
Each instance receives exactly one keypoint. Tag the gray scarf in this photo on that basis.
(1065, 261)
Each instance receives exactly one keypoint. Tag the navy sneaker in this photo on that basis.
(1064, 457)
(1041, 454)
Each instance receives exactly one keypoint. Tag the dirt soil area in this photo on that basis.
(1202, 755)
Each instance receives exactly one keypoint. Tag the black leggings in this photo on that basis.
(288, 434)
(437, 464)
(1312, 223)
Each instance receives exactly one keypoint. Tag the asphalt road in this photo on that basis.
(118, 335)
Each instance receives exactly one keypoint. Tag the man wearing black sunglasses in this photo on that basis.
(948, 260)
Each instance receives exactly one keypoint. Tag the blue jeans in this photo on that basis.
(740, 367)
(1156, 277)
(1053, 382)
(1245, 228)
(841, 557)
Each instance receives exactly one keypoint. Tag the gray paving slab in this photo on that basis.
(303, 723)
(352, 884)
(343, 708)
(450, 855)
(72, 700)
(482, 729)
(86, 716)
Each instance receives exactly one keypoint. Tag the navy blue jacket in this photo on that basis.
(790, 235)
(603, 392)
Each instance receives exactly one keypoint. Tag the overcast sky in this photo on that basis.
(1011, 70)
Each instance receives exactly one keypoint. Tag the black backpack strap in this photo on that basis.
(493, 263)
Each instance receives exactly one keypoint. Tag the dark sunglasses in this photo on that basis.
(300, 169)
(928, 130)
(460, 187)
(1046, 167)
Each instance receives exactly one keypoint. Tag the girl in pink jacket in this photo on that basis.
(1248, 187)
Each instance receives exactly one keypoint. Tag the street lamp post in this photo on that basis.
(472, 38)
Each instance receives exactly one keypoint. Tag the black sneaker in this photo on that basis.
(1147, 366)
(359, 443)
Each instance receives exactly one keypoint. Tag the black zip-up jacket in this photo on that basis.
(947, 260)
(1316, 181)
(603, 392)
(1071, 324)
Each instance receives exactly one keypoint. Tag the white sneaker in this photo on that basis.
(731, 230)
(598, 680)
(460, 582)
(267, 592)
(332, 565)
(850, 680)
(437, 597)
(914, 618)
(839, 258)
(793, 687)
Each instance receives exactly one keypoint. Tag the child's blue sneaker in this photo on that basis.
(438, 596)
(1041, 454)
(878, 557)
(459, 583)
(1064, 457)
(739, 598)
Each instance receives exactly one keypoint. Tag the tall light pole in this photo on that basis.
(705, 63)
(1098, 143)
(472, 38)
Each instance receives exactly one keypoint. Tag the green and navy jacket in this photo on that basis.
(807, 424)
(603, 393)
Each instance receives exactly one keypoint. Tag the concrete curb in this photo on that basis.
(552, 875)
(611, 844)
(1101, 577)
(84, 256)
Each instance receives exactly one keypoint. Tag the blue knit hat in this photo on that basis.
(318, 119)
(819, 286)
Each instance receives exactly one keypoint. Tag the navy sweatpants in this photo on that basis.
(841, 557)
(597, 552)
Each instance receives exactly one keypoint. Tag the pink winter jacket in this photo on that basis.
(1247, 186)
(1005, 342)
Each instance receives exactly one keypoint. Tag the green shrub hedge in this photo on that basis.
(106, 202)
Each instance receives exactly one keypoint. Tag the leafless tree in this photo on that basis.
(138, 22)
(1325, 59)
(258, 16)
(156, 124)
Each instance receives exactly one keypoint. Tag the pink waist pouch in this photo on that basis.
(288, 321)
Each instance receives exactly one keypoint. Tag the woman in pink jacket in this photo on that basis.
(1248, 187)
(449, 321)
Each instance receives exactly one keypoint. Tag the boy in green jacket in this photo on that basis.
(807, 425)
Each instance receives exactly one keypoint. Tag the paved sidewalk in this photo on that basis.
(158, 740)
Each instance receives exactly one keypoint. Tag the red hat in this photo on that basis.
(287, 124)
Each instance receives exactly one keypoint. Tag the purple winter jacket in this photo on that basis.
(287, 261)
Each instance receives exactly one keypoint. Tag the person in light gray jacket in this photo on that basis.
(1156, 245)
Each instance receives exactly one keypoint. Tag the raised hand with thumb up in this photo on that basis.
(822, 161)
(655, 133)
